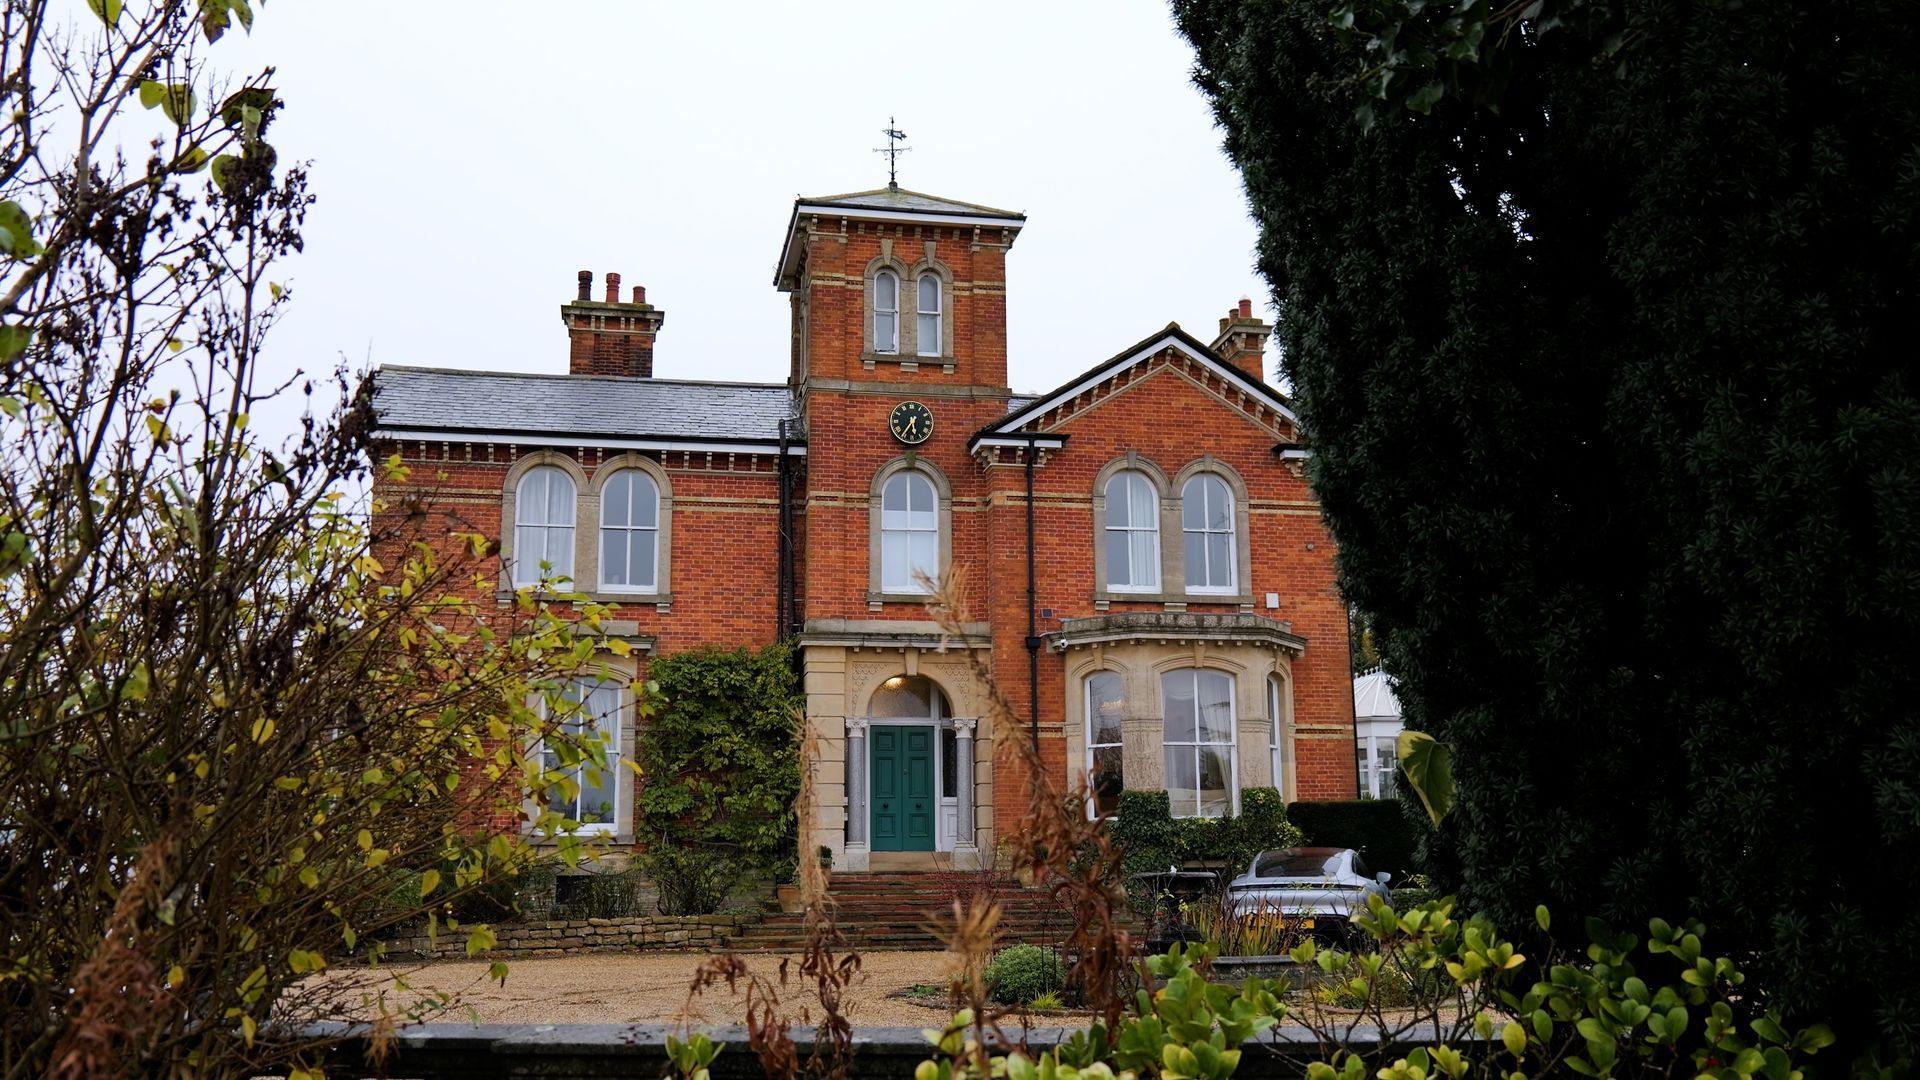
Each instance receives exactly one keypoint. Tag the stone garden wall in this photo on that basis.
(560, 936)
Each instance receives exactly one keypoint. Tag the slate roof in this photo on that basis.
(913, 201)
(418, 399)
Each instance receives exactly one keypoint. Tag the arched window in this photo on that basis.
(929, 328)
(594, 717)
(543, 526)
(1198, 739)
(1106, 772)
(630, 533)
(1276, 745)
(1206, 521)
(886, 312)
(1133, 534)
(909, 533)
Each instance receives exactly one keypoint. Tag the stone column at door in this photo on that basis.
(963, 825)
(856, 781)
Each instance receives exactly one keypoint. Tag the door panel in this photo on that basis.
(917, 793)
(903, 800)
(885, 796)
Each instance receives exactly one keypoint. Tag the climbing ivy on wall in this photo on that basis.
(721, 760)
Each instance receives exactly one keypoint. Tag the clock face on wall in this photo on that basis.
(911, 422)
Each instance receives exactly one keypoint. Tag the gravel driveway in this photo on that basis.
(625, 988)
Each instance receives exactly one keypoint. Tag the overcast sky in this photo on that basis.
(470, 158)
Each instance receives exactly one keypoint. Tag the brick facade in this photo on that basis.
(1169, 407)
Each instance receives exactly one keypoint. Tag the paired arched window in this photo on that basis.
(1133, 533)
(543, 526)
(927, 331)
(909, 532)
(886, 312)
(630, 533)
(1106, 757)
(1197, 737)
(1206, 522)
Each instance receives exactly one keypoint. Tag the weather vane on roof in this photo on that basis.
(893, 150)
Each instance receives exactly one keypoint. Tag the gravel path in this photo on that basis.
(626, 988)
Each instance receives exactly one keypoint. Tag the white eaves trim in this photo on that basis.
(1295, 455)
(1141, 355)
(498, 438)
(1044, 442)
(863, 214)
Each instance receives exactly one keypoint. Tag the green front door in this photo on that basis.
(902, 791)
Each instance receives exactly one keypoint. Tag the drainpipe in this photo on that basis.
(783, 592)
(1033, 635)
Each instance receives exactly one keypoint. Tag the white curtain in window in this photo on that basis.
(928, 335)
(593, 717)
(1198, 740)
(909, 533)
(1276, 747)
(543, 525)
(1106, 773)
(886, 312)
(1206, 521)
(1133, 533)
(630, 532)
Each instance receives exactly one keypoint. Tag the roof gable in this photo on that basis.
(888, 204)
(1017, 426)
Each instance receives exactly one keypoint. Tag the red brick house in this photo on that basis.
(1147, 570)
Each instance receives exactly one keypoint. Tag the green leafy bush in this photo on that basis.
(1155, 839)
(1623, 1007)
(720, 765)
(1377, 828)
(1018, 974)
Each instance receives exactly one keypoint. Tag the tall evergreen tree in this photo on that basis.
(1600, 318)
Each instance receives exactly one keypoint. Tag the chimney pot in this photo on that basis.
(1246, 308)
(639, 294)
(586, 285)
(1224, 323)
(613, 288)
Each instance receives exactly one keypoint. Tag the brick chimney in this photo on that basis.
(608, 337)
(1243, 340)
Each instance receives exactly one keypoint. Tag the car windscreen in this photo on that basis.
(1282, 864)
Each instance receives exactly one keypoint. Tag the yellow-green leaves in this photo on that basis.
(1428, 765)
(429, 881)
(14, 341)
(108, 11)
(305, 962)
(176, 100)
(16, 232)
(217, 15)
(480, 939)
(1514, 1037)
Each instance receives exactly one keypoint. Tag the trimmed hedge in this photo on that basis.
(1376, 828)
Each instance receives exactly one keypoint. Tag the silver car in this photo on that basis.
(1315, 888)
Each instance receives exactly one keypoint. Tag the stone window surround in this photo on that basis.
(622, 671)
(943, 496)
(586, 524)
(907, 305)
(1173, 573)
(1140, 665)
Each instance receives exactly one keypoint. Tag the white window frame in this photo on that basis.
(896, 579)
(889, 343)
(1276, 744)
(529, 520)
(630, 476)
(1126, 478)
(927, 328)
(1205, 482)
(614, 723)
(1372, 768)
(1231, 743)
(1086, 693)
